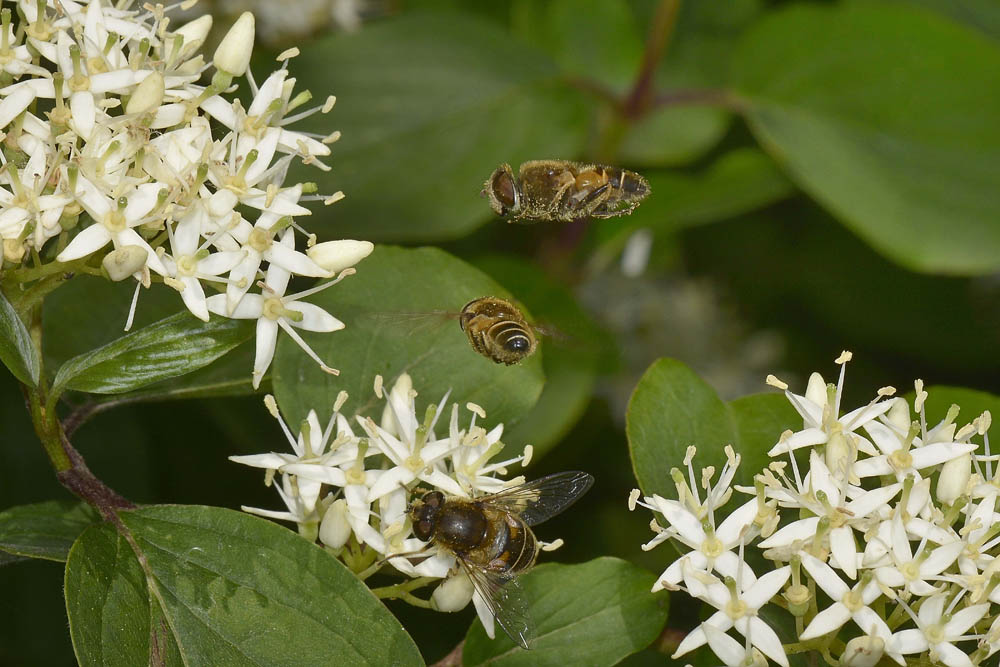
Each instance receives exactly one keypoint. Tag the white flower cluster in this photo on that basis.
(352, 490)
(102, 114)
(885, 545)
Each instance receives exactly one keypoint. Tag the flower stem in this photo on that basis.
(664, 22)
(402, 591)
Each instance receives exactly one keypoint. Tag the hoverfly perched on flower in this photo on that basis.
(491, 538)
(563, 191)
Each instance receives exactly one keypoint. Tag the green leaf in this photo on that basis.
(225, 377)
(886, 137)
(17, 352)
(573, 355)
(44, 530)
(107, 601)
(174, 346)
(672, 409)
(386, 335)
(695, 66)
(603, 44)
(87, 312)
(430, 105)
(983, 15)
(595, 613)
(237, 590)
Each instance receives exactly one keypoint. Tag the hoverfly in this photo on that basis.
(495, 327)
(563, 191)
(491, 538)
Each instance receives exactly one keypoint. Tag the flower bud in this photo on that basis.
(816, 389)
(899, 414)
(147, 96)
(233, 54)
(863, 651)
(335, 529)
(840, 454)
(336, 256)
(400, 393)
(123, 262)
(222, 203)
(453, 594)
(194, 34)
(954, 477)
(13, 250)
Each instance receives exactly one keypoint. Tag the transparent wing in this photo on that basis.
(505, 599)
(405, 323)
(542, 498)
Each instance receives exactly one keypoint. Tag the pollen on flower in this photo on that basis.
(775, 382)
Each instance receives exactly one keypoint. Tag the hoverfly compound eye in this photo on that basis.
(423, 529)
(504, 196)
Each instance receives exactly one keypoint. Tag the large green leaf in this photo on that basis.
(174, 346)
(17, 352)
(44, 530)
(430, 104)
(386, 334)
(230, 588)
(595, 613)
(672, 409)
(574, 354)
(864, 106)
(107, 601)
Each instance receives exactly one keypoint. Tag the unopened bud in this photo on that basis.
(335, 256)
(335, 530)
(816, 389)
(148, 95)
(453, 594)
(863, 651)
(13, 250)
(899, 414)
(840, 455)
(194, 34)
(954, 477)
(221, 203)
(233, 54)
(123, 262)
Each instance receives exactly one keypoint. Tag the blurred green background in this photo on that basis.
(824, 177)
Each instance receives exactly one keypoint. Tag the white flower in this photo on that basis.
(738, 607)
(274, 310)
(848, 604)
(189, 264)
(413, 450)
(114, 222)
(828, 499)
(820, 411)
(939, 629)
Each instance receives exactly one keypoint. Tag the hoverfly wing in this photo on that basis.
(504, 597)
(543, 498)
(409, 322)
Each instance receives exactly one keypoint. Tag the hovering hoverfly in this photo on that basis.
(563, 191)
(495, 327)
(491, 538)
(498, 330)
